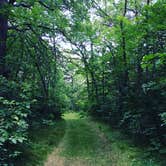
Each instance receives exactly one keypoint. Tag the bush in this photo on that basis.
(13, 128)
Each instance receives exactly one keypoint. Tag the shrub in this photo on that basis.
(13, 128)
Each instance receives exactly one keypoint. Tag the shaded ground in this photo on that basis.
(88, 143)
(43, 140)
(82, 145)
(77, 141)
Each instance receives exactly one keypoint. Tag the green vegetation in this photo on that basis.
(71, 116)
(43, 140)
(92, 143)
(78, 143)
(125, 153)
(104, 58)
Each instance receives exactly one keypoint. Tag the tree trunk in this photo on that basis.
(94, 86)
(45, 90)
(3, 36)
(123, 44)
(87, 82)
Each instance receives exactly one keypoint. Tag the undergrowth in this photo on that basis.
(43, 140)
(126, 153)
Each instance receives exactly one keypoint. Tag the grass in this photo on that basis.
(43, 140)
(82, 144)
(85, 142)
(124, 153)
(71, 116)
(80, 139)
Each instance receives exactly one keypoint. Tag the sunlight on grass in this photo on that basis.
(71, 116)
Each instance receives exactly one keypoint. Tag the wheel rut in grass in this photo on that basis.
(82, 145)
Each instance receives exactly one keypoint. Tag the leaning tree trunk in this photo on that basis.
(3, 35)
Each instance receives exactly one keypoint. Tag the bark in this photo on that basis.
(139, 59)
(42, 80)
(87, 82)
(136, 8)
(3, 36)
(148, 2)
(103, 85)
(94, 84)
(139, 73)
(86, 73)
(147, 42)
(92, 73)
(123, 43)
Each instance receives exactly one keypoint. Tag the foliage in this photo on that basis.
(13, 128)
(123, 64)
(106, 58)
(42, 140)
(123, 151)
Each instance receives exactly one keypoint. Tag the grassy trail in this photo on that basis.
(82, 145)
(88, 143)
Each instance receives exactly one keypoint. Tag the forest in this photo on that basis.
(94, 69)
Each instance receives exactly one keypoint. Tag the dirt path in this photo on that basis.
(83, 145)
